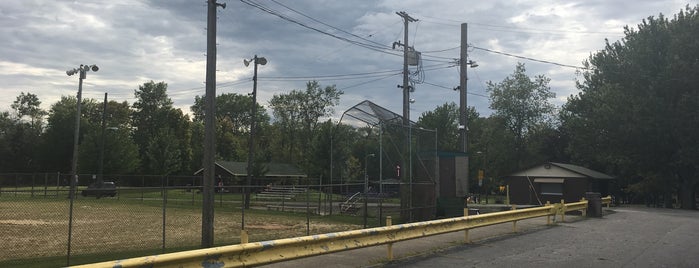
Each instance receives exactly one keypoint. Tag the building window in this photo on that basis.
(552, 188)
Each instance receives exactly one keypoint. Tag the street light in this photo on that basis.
(366, 187)
(82, 70)
(253, 111)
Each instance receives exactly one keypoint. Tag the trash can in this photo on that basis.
(594, 204)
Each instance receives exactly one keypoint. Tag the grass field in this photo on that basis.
(35, 229)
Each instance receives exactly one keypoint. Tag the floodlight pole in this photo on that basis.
(82, 72)
(251, 146)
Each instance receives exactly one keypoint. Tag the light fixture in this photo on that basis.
(260, 61)
(473, 64)
(82, 68)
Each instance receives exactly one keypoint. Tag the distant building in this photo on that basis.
(555, 181)
(235, 173)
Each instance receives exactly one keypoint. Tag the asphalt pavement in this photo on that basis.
(631, 236)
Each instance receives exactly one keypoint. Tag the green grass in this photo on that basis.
(34, 229)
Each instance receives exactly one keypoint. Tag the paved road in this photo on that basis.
(627, 237)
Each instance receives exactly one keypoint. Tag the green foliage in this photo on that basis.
(162, 133)
(522, 103)
(637, 112)
(29, 105)
(445, 119)
(296, 116)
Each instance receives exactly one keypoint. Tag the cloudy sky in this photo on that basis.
(336, 42)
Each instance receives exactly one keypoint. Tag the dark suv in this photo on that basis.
(107, 188)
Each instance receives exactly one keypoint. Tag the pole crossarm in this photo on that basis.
(266, 252)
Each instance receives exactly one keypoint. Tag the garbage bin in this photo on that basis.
(594, 204)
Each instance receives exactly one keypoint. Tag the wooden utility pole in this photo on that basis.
(463, 118)
(207, 214)
(406, 194)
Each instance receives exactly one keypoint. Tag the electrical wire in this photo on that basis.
(323, 23)
(370, 81)
(381, 49)
(470, 93)
(528, 58)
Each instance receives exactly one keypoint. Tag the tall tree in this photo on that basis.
(57, 144)
(298, 114)
(155, 118)
(28, 104)
(445, 119)
(522, 103)
(637, 111)
(23, 136)
(233, 124)
(120, 151)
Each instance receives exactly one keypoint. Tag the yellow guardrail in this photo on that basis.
(607, 200)
(266, 252)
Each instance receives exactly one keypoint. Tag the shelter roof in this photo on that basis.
(273, 169)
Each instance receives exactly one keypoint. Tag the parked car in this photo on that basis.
(106, 188)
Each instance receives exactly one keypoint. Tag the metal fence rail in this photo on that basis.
(266, 252)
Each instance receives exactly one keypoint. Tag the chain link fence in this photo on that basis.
(43, 227)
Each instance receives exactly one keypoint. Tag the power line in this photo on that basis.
(361, 75)
(527, 58)
(370, 81)
(323, 23)
(271, 11)
(515, 29)
(444, 87)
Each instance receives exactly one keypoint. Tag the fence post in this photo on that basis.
(389, 246)
(244, 236)
(164, 193)
(33, 182)
(46, 183)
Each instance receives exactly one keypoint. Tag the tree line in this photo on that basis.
(635, 116)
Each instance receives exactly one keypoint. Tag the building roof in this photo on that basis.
(583, 170)
(273, 169)
(560, 170)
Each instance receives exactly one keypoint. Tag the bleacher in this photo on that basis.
(280, 193)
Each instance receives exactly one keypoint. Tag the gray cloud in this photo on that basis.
(137, 41)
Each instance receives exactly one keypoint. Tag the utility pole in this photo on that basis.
(463, 120)
(406, 88)
(406, 196)
(207, 217)
(100, 177)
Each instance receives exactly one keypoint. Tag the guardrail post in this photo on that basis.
(244, 236)
(548, 217)
(514, 223)
(389, 246)
(584, 211)
(466, 239)
(563, 210)
(507, 198)
(610, 200)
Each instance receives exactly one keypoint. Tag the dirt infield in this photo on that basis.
(39, 228)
